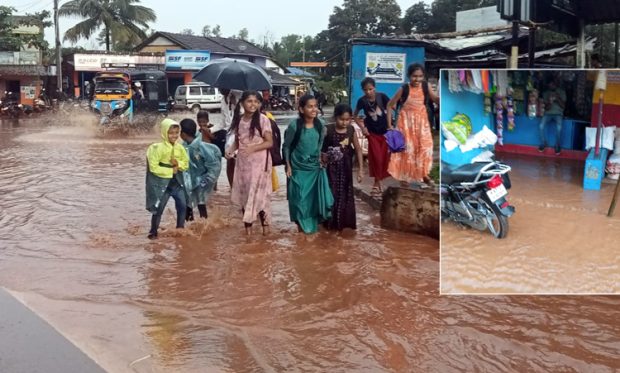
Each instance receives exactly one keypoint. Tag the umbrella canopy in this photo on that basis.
(234, 74)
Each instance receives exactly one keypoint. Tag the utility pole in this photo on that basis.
(58, 51)
(532, 47)
(617, 41)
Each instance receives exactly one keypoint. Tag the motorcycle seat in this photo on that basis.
(465, 173)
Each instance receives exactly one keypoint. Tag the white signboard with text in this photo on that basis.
(386, 67)
(94, 62)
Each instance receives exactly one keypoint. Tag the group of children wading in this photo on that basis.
(318, 158)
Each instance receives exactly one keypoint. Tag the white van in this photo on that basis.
(196, 96)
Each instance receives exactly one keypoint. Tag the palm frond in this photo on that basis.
(83, 29)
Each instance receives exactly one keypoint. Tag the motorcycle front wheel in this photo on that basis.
(497, 223)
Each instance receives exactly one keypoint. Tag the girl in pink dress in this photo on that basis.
(251, 189)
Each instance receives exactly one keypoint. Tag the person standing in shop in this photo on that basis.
(555, 103)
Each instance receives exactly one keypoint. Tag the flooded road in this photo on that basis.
(560, 238)
(73, 232)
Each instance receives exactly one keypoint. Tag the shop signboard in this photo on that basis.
(186, 60)
(386, 67)
(97, 62)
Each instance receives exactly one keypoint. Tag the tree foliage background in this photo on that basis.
(10, 41)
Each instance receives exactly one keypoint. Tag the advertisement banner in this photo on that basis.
(95, 62)
(186, 60)
(386, 67)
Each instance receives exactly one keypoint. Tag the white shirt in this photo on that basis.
(227, 111)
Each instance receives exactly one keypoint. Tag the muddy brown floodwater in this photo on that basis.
(73, 227)
(560, 239)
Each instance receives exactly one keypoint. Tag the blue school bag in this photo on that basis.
(395, 141)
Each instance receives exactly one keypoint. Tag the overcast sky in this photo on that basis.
(278, 17)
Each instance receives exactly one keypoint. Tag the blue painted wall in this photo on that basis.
(462, 102)
(525, 132)
(358, 68)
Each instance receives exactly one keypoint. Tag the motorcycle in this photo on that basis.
(10, 106)
(42, 103)
(475, 195)
(279, 103)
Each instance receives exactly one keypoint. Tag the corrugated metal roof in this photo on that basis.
(294, 71)
(281, 80)
(451, 43)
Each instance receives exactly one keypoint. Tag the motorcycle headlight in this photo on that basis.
(121, 104)
(20, 106)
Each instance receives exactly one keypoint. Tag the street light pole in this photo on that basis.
(58, 51)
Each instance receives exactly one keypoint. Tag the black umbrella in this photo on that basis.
(234, 74)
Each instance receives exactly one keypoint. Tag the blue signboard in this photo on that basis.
(189, 60)
(387, 65)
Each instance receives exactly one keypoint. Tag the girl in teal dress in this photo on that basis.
(309, 196)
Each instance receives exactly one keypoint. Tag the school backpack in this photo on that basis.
(430, 110)
(276, 149)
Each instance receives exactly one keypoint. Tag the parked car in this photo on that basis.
(196, 96)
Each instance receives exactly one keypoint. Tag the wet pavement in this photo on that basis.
(26, 340)
(73, 231)
(560, 239)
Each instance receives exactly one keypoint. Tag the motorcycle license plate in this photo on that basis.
(497, 192)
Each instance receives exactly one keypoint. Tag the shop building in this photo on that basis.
(22, 72)
(187, 54)
(511, 104)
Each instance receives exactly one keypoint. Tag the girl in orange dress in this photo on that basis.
(414, 164)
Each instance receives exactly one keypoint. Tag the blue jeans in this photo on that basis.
(550, 118)
(174, 190)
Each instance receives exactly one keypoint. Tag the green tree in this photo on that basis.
(605, 43)
(9, 41)
(119, 17)
(355, 18)
(417, 18)
(216, 31)
(243, 34)
(208, 31)
(122, 41)
(187, 31)
(293, 48)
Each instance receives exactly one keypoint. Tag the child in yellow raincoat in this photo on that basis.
(166, 161)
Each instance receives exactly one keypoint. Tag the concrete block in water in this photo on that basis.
(411, 210)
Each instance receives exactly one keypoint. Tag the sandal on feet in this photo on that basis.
(376, 192)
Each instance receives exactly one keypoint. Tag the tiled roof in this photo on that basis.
(212, 44)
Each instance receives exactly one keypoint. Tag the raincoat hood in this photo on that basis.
(165, 126)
